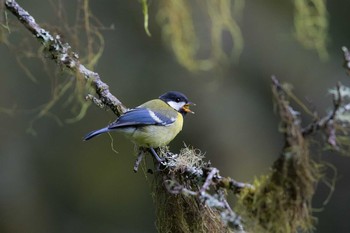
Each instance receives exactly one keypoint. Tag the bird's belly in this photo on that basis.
(154, 136)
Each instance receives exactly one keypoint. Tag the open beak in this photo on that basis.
(186, 107)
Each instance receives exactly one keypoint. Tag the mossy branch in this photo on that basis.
(191, 196)
(281, 200)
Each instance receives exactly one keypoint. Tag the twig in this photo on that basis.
(61, 53)
(231, 184)
(346, 59)
(139, 158)
(208, 180)
(327, 122)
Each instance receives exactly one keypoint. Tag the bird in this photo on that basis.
(153, 124)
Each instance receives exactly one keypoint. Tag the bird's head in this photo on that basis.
(177, 101)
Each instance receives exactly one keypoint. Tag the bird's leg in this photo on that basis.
(139, 159)
(155, 155)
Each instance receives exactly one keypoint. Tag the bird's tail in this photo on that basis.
(95, 133)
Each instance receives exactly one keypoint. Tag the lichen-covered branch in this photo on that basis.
(346, 54)
(327, 123)
(62, 54)
(281, 200)
(198, 200)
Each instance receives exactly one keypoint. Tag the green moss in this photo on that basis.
(181, 211)
(281, 201)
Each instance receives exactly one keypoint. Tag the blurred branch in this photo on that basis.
(327, 122)
(62, 54)
(346, 54)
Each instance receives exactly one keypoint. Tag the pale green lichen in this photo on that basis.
(145, 16)
(311, 25)
(179, 29)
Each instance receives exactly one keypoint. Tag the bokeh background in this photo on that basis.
(52, 181)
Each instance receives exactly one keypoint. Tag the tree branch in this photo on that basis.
(327, 122)
(346, 55)
(61, 53)
(180, 175)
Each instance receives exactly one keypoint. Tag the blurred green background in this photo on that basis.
(55, 182)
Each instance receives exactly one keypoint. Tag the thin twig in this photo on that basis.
(346, 59)
(327, 122)
(208, 180)
(231, 184)
(139, 158)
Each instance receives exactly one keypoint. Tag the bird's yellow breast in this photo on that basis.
(157, 135)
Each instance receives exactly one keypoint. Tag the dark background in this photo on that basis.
(55, 182)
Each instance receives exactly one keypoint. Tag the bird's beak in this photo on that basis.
(186, 107)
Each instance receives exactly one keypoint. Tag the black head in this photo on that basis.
(177, 101)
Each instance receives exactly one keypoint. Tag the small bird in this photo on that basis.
(152, 124)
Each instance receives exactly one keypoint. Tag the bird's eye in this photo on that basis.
(177, 100)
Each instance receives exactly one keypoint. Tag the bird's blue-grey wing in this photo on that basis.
(139, 117)
(95, 133)
(133, 118)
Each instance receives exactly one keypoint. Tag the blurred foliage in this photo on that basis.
(179, 32)
(311, 25)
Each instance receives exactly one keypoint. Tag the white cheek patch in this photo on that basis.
(175, 105)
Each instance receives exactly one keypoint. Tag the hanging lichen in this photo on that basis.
(311, 25)
(145, 16)
(84, 34)
(178, 23)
